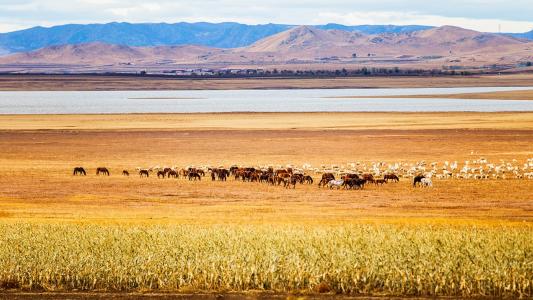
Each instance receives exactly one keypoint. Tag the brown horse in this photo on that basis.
(391, 177)
(183, 173)
(144, 172)
(368, 177)
(380, 181)
(326, 177)
(125, 173)
(79, 171)
(350, 176)
(102, 170)
(161, 174)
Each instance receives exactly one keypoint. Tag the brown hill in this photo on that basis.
(307, 41)
(304, 46)
(106, 54)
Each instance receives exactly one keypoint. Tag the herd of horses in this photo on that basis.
(287, 177)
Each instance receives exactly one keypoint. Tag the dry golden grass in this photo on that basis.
(272, 121)
(83, 83)
(106, 234)
(36, 166)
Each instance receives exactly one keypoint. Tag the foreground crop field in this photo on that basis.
(103, 234)
(363, 259)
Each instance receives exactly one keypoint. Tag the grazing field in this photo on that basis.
(462, 237)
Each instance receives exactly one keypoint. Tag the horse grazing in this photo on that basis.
(144, 172)
(264, 178)
(355, 184)
(172, 173)
(102, 170)
(418, 179)
(391, 177)
(380, 181)
(125, 173)
(291, 181)
(368, 177)
(222, 174)
(161, 174)
(326, 178)
(308, 179)
(79, 171)
(194, 176)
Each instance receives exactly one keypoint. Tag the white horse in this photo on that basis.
(335, 183)
(426, 182)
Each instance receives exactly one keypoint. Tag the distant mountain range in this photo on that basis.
(221, 35)
(525, 35)
(330, 46)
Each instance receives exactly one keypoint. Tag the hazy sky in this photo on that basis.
(483, 15)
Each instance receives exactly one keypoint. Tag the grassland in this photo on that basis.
(108, 234)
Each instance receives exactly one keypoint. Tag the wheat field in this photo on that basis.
(357, 259)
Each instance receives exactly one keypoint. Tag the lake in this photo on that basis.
(292, 100)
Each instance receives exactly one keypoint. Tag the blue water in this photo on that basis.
(293, 100)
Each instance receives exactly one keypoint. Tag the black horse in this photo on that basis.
(418, 179)
(125, 173)
(79, 171)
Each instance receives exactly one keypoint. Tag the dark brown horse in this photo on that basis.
(308, 179)
(222, 174)
(368, 177)
(194, 176)
(102, 170)
(355, 184)
(79, 171)
(291, 182)
(161, 174)
(125, 173)
(391, 177)
(144, 172)
(172, 173)
(326, 177)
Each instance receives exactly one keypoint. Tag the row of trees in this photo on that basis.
(328, 73)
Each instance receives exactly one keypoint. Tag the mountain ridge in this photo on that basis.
(303, 46)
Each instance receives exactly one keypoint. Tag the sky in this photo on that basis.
(481, 15)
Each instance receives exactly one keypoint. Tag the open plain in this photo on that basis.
(97, 233)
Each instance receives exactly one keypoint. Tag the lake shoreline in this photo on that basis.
(29, 82)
